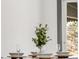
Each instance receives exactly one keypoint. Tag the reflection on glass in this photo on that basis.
(72, 29)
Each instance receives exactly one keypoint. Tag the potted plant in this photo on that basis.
(41, 36)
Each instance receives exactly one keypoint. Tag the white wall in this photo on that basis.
(18, 20)
(50, 17)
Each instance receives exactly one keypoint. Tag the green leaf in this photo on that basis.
(46, 25)
(40, 25)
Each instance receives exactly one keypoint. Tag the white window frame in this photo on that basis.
(64, 21)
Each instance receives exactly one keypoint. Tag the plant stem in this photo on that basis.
(40, 48)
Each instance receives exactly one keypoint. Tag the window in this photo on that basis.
(72, 28)
(67, 26)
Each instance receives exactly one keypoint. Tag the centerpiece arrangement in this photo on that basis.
(41, 36)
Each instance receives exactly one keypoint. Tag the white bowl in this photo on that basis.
(16, 54)
(63, 53)
(45, 55)
(34, 53)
